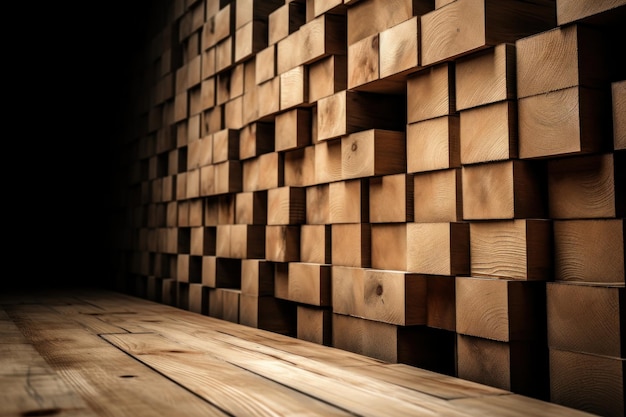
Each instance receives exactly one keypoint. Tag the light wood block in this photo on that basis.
(327, 76)
(256, 139)
(285, 20)
(351, 245)
(249, 10)
(315, 240)
(367, 18)
(518, 249)
(228, 177)
(399, 49)
(294, 87)
(389, 246)
(220, 272)
(464, 26)
(502, 190)
(203, 241)
(300, 167)
(230, 304)
(363, 61)
(270, 164)
(328, 164)
(292, 128)
(225, 145)
(269, 97)
(373, 152)
(286, 205)
(198, 299)
(308, 284)
(316, 8)
(317, 204)
(347, 286)
(431, 93)
(265, 68)
(589, 251)
(257, 277)
(208, 63)
(247, 241)
(618, 95)
(207, 93)
(314, 324)
(391, 199)
(438, 248)
(218, 26)
(282, 243)
(250, 39)
(251, 207)
(224, 54)
(207, 180)
(437, 196)
(568, 11)
(433, 144)
(348, 202)
(192, 189)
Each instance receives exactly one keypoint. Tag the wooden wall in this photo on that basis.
(438, 183)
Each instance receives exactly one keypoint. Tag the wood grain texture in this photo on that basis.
(347, 286)
(568, 11)
(348, 202)
(433, 144)
(437, 196)
(399, 48)
(292, 128)
(372, 152)
(286, 205)
(309, 283)
(370, 17)
(363, 61)
(351, 244)
(438, 248)
(327, 76)
(285, 20)
(299, 167)
(389, 246)
(315, 240)
(315, 325)
(391, 198)
(618, 96)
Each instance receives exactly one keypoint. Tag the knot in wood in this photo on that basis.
(354, 146)
(379, 290)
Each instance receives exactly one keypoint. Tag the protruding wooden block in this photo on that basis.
(282, 243)
(203, 241)
(265, 68)
(587, 186)
(315, 240)
(568, 11)
(351, 245)
(230, 304)
(308, 284)
(256, 139)
(285, 20)
(589, 250)
(486, 77)
(224, 53)
(467, 25)
(198, 299)
(363, 61)
(347, 290)
(267, 313)
(208, 63)
(212, 120)
(226, 209)
(207, 180)
(327, 77)
(433, 144)
(518, 249)
(286, 205)
(228, 177)
(399, 49)
(568, 121)
(389, 246)
(489, 133)
(247, 241)
(292, 129)
(328, 161)
(300, 167)
(317, 204)
(218, 26)
(257, 277)
(233, 113)
(196, 212)
(618, 95)
(251, 207)
(374, 16)
(348, 202)
(294, 87)
(189, 268)
(603, 391)
(502, 190)
(430, 93)
(250, 39)
(315, 324)
(269, 97)
(216, 303)
(221, 272)
(391, 198)
(249, 10)
(192, 188)
(437, 196)
(373, 152)
(225, 145)
(438, 248)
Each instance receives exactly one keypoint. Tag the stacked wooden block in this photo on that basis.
(439, 183)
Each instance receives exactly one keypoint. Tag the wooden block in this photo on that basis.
(350, 111)
(189, 268)
(256, 139)
(363, 61)
(317, 204)
(230, 304)
(225, 145)
(207, 180)
(233, 114)
(594, 329)
(286, 205)
(180, 107)
(464, 26)
(399, 49)
(267, 313)
(314, 324)
(247, 241)
(251, 207)
(250, 39)
(431, 93)
(348, 202)
(226, 209)
(327, 77)
(292, 128)
(500, 309)
(315, 240)
(271, 165)
(367, 18)
(265, 67)
(309, 284)
(348, 284)
(194, 68)
(218, 26)
(222, 245)
(212, 120)
(433, 144)
(618, 96)
(169, 291)
(282, 243)
(315, 8)
(285, 20)
(198, 299)
(437, 196)
(486, 77)
(571, 56)
(208, 63)
(373, 152)
(440, 302)
(502, 190)
(589, 251)
(169, 188)
(200, 152)
(221, 272)
(224, 54)
(249, 10)
(325, 35)
(257, 277)
(294, 87)
(228, 177)
(569, 121)
(193, 184)
(389, 246)
(489, 133)
(328, 161)
(351, 245)
(269, 97)
(568, 11)
(518, 366)
(203, 241)
(586, 187)
(250, 105)
(437, 248)
(196, 210)
(300, 166)
(216, 303)
(602, 393)
(518, 249)
(391, 199)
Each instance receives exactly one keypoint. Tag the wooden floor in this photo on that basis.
(87, 353)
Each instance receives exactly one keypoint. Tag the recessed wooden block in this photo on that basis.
(189, 268)
(347, 290)
(441, 302)
(228, 177)
(489, 133)
(363, 61)
(587, 186)
(250, 39)
(328, 161)
(257, 277)
(327, 77)
(568, 11)
(437, 248)
(369, 17)
(308, 284)
(348, 201)
(464, 26)
(589, 250)
(594, 329)
(325, 35)
(285, 20)
(282, 243)
(251, 207)
(192, 187)
(430, 93)
(350, 111)
(247, 241)
(221, 272)
(518, 249)
(391, 198)
(399, 48)
(286, 205)
(373, 152)
(351, 245)
(300, 167)
(437, 196)
(292, 129)
(618, 95)
(198, 299)
(433, 144)
(314, 324)
(203, 241)
(315, 242)
(248, 10)
(294, 87)
(225, 145)
(602, 392)
(216, 303)
(570, 56)
(317, 204)
(389, 246)
(518, 366)
(268, 97)
(502, 190)
(256, 139)
(267, 313)
(486, 77)
(569, 121)
(230, 304)
(500, 309)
